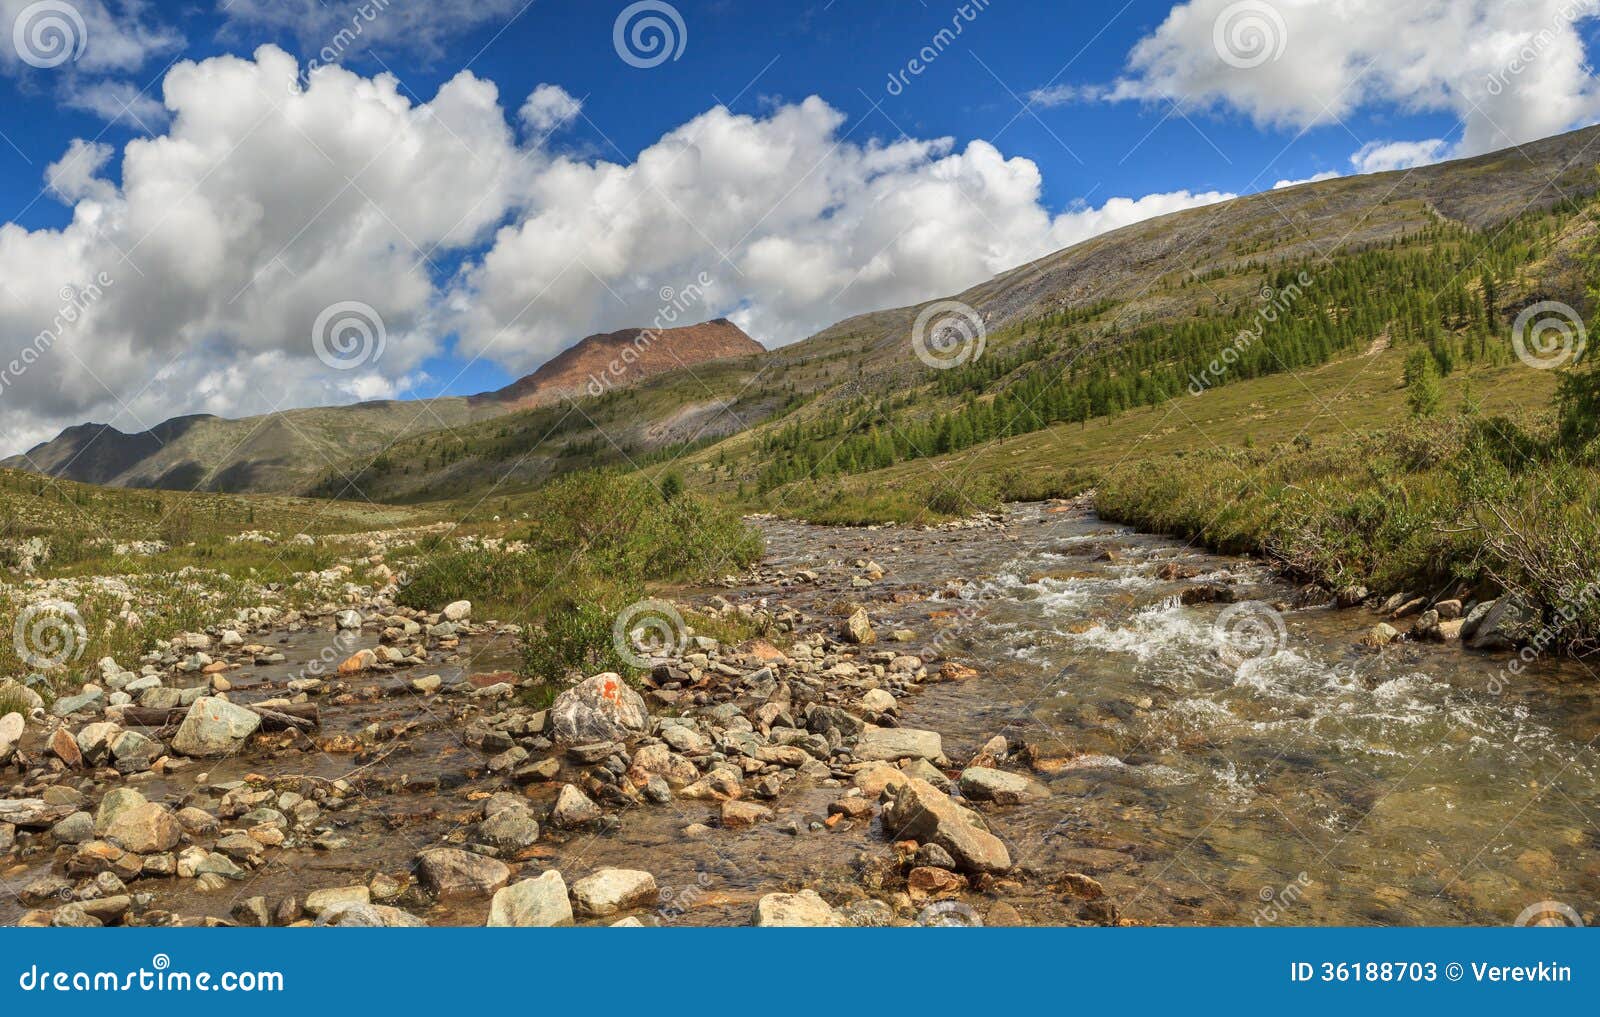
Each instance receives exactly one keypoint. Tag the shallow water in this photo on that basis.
(1220, 769)
(1208, 767)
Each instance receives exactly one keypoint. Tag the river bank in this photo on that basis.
(1148, 733)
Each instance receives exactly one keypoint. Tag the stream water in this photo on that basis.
(1201, 773)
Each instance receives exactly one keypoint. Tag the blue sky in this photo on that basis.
(1098, 102)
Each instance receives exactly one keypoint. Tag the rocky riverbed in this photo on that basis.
(1032, 718)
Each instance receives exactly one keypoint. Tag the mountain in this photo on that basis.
(618, 359)
(1443, 256)
(287, 452)
(1324, 271)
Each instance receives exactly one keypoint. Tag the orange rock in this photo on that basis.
(928, 883)
(65, 748)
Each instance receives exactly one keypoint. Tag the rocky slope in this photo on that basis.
(286, 452)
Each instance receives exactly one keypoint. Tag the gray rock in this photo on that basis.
(75, 829)
(214, 727)
(510, 829)
(598, 709)
(116, 801)
(796, 910)
(144, 829)
(452, 872)
(94, 741)
(918, 810)
(891, 743)
(857, 629)
(982, 784)
(532, 903)
(369, 916)
(610, 891)
(573, 809)
(1501, 627)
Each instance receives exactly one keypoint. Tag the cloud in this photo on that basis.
(796, 226)
(1313, 178)
(549, 107)
(105, 40)
(223, 239)
(330, 30)
(1382, 156)
(1509, 72)
(1065, 95)
(261, 205)
(118, 102)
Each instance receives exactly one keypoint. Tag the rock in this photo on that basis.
(12, 726)
(598, 709)
(133, 752)
(369, 916)
(1500, 627)
(145, 829)
(8, 838)
(874, 777)
(950, 671)
(427, 685)
(319, 902)
(65, 748)
(543, 770)
(511, 829)
(737, 815)
(920, 811)
(1474, 618)
(348, 621)
(75, 829)
(857, 629)
(928, 884)
(1428, 627)
(252, 912)
(888, 744)
(214, 727)
(532, 903)
(89, 699)
(982, 784)
(1076, 884)
(1449, 610)
(877, 701)
(451, 871)
(361, 660)
(573, 809)
(610, 891)
(1380, 635)
(197, 822)
(33, 813)
(115, 802)
(94, 742)
(459, 611)
(796, 910)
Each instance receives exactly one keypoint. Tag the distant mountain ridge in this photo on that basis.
(287, 452)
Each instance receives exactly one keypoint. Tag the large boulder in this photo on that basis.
(920, 811)
(986, 784)
(145, 829)
(598, 709)
(1499, 625)
(214, 727)
(451, 871)
(888, 744)
(610, 891)
(791, 910)
(532, 903)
